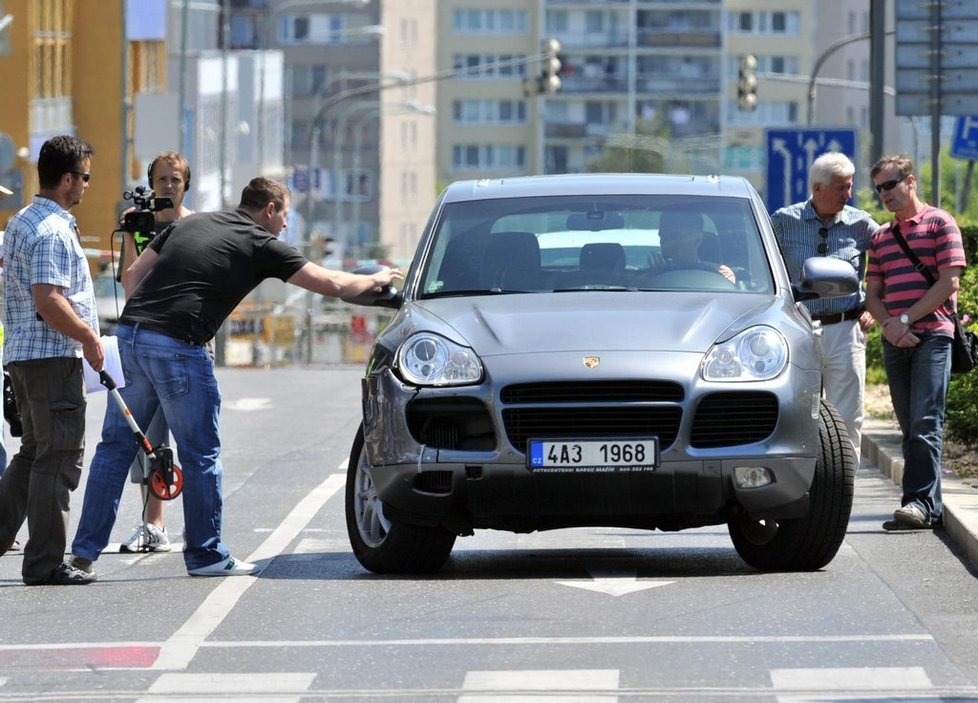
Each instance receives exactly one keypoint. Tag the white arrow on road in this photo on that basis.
(614, 583)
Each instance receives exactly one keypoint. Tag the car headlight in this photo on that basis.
(756, 354)
(430, 360)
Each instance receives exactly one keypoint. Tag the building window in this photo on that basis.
(489, 111)
(491, 66)
(308, 80)
(488, 156)
(319, 28)
(768, 113)
(490, 21)
(763, 22)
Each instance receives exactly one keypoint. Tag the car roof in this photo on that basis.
(598, 184)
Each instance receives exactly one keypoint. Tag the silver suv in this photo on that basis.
(600, 350)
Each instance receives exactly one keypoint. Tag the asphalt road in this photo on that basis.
(582, 615)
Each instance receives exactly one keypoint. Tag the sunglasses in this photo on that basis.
(82, 175)
(823, 247)
(889, 185)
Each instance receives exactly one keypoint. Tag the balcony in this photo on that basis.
(577, 84)
(677, 83)
(673, 38)
(594, 40)
(565, 130)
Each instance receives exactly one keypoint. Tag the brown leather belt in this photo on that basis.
(833, 318)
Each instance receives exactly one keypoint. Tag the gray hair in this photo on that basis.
(834, 163)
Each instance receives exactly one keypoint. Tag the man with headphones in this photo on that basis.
(169, 177)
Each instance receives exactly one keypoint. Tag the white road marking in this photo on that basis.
(614, 584)
(243, 687)
(248, 404)
(486, 641)
(317, 546)
(852, 684)
(179, 650)
(851, 679)
(570, 686)
(573, 641)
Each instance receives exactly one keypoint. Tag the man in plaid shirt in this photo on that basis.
(51, 322)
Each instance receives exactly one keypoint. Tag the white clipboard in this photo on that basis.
(113, 365)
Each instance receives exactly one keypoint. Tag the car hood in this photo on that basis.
(592, 321)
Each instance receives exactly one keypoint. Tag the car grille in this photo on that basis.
(592, 392)
(582, 410)
(733, 418)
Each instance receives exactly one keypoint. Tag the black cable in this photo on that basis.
(117, 275)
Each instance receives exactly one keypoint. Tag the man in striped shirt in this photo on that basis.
(917, 330)
(824, 225)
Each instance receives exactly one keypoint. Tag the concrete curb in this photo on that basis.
(881, 445)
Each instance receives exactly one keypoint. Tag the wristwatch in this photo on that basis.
(905, 319)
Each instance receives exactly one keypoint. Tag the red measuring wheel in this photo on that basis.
(164, 487)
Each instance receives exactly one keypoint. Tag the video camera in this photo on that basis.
(141, 220)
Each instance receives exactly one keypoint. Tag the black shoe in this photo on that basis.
(66, 575)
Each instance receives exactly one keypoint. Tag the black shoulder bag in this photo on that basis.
(964, 350)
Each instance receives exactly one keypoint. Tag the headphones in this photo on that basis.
(149, 174)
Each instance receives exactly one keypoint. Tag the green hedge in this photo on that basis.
(962, 398)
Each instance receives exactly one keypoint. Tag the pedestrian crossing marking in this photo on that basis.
(851, 679)
(526, 686)
(263, 686)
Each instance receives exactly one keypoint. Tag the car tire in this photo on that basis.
(809, 543)
(380, 545)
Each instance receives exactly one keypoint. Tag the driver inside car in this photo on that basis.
(680, 237)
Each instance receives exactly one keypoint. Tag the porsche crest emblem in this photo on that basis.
(592, 362)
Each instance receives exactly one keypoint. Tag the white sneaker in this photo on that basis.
(227, 567)
(147, 538)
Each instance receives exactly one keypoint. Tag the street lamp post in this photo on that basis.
(328, 98)
(313, 134)
(406, 107)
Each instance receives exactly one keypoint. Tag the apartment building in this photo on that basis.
(359, 116)
(647, 76)
(76, 67)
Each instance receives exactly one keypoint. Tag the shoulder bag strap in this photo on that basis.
(915, 260)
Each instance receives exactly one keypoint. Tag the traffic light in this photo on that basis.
(550, 75)
(747, 83)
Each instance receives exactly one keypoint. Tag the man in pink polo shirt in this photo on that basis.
(915, 316)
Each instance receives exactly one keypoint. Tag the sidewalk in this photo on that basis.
(881, 445)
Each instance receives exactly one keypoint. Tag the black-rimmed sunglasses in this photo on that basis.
(82, 175)
(888, 185)
(823, 247)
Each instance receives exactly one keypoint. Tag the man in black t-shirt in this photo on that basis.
(181, 289)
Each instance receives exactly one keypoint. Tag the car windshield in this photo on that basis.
(606, 242)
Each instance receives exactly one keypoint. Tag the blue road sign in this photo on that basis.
(790, 153)
(964, 142)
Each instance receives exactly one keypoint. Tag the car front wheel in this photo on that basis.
(809, 543)
(380, 545)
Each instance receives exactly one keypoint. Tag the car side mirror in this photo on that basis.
(826, 277)
(387, 297)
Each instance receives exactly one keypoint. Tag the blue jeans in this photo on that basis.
(918, 378)
(179, 377)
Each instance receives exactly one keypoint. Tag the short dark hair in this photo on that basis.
(174, 159)
(904, 165)
(261, 191)
(60, 155)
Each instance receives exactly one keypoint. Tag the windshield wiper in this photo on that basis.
(474, 292)
(593, 289)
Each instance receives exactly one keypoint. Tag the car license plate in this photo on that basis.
(593, 456)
